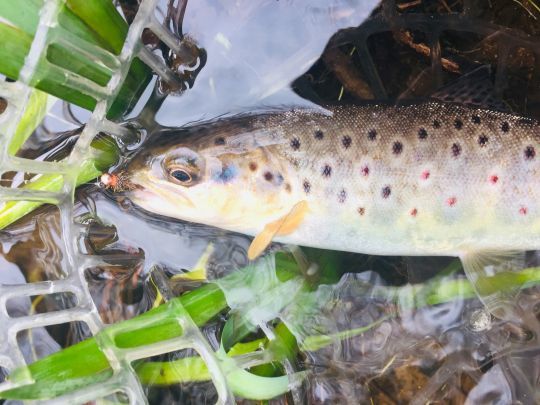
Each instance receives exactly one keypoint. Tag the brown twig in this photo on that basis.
(405, 6)
(406, 38)
(347, 74)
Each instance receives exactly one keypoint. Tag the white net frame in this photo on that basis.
(17, 94)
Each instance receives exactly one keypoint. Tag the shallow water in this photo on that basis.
(451, 352)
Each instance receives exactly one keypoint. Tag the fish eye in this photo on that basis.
(181, 176)
(183, 167)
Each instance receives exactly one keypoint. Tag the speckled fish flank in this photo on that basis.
(434, 179)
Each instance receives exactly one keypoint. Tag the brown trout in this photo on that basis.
(427, 179)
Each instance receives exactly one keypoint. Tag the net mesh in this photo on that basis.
(17, 94)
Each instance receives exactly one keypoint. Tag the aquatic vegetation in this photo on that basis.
(89, 34)
(84, 362)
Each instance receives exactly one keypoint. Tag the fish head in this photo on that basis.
(232, 182)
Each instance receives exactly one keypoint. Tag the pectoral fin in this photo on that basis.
(494, 277)
(285, 225)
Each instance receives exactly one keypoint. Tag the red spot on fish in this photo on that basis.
(365, 171)
(361, 210)
(425, 175)
(451, 201)
(523, 210)
(493, 179)
(414, 211)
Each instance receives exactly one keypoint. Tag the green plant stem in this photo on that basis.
(37, 107)
(162, 373)
(96, 22)
(188, 369)
(103, 18)
(314, 343)
(103, 155)
(62, 371)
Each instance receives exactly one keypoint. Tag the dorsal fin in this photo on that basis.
(474, 88)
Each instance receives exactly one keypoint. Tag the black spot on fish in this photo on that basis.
(346, 141)
(342, 196)
(397, 148)
(386, 191)
(268, 176)
(422, 133)
(220, 141)
(436, 124)
(361, 210)
(327, 171)
(458, 124)
(318, 134)
(529, 153)
(476, 119)
(505, 126)
(372, 135)
(307, 187)
(288, 187)
(295, 143)
(483, 140)
(456, 149)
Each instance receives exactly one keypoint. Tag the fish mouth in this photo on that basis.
(117, 182)
(148, 186)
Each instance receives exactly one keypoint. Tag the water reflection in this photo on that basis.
(255, 51)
